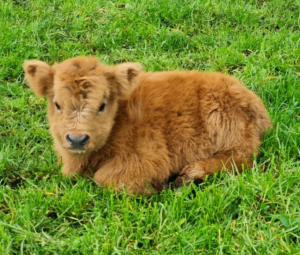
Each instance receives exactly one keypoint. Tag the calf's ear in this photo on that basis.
(125, 77)
(39, 76)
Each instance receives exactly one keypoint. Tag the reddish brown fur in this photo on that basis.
(155, 125)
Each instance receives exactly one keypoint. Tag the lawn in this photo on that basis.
(256, 212)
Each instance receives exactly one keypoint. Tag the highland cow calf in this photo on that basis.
(137, 129)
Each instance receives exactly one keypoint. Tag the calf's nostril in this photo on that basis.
(76, 141)
(69, 139)
(85, 139)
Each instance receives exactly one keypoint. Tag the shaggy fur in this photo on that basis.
(145, 127)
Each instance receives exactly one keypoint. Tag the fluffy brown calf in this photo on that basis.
(134, 128)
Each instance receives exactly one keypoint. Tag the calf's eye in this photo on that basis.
(57, 106)
(102, 106)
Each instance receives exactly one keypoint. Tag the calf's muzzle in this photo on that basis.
(77, 142)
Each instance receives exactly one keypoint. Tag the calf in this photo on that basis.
(133, 128)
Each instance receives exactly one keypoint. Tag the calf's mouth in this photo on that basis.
(77, 144)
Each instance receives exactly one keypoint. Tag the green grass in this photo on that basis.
(256, 212)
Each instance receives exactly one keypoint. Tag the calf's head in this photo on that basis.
(83, 98)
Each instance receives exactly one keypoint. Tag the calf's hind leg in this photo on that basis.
(197, 171)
